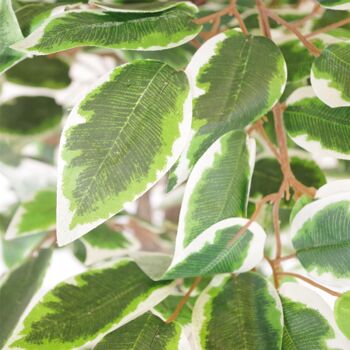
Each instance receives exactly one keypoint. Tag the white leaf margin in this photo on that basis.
(64, 215)
(204, 163)
(312, 146)
(307, 213)
(301, 294)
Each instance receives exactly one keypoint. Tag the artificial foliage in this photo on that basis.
(192, 157)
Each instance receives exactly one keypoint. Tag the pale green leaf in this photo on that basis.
(119, 30)
(94, 303)
(103, 242)
(18, 289)
(119, 140)
(148, 332)
(238, 312)
(42, 71)
(321, 237)
(342, 313)
(215, 251)
(29, 116)
(232, 88)
(10, 33)
(336, 4)
(316, 127)
(308, 321)
(330, 74)
(218, 187)
(34, 216)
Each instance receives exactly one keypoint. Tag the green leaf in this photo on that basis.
(342, 313)
(298, 59)
(321, 237)
(177, 57)
(218, 187)
(309, 323)
(336, 4)
(15, 251)
(212, 252)
(32, 15)
(92, 304)
(9, 34)
(238, 312)
(120, 140)
(119, 30)
(330, 75)
(29, 116)
(18, 289)
(268, 177)
(40, 72)
(168, 306)
(329, 17)
(231, 88)
(102, 243)
(140, 7)
(314, 126)
(146, 332)
(34, 216)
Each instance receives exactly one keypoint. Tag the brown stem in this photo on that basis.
(263, 19)
(274, 269)
(316, 10)
(261, 131)
(239, 18)
(311, 282)
(48, 240)
(209, 18)
(287, 257)
(276, 219)
(269, 198)
(329, 27)
(183, 301)
(309, 45)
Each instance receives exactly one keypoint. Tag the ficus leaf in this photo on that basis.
(17, 290)
(89, 306)
(316, 127)
(125, 30)
(231, 88)
(308, 320)
(320, 234)
(119, 140)
(330, 75)
(10, 33)
(238, 312)
(342, 313)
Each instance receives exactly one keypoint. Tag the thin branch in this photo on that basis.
(263, 19)
(315, 11)
(239, 18)
(287, 257)
(259, 205)
(47, 241)
(206, 19)
(311, 282)
(329, 27)
(261, 131)
(274, 269)
(276, 219)
(309, 45)
(183, 301)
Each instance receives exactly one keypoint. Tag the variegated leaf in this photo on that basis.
(232, 88)
(119, 140)
(117, 29)
(238, 312)
(316, 127)
(336, 4)
(34, 216)
(342, 313)
(308, 321)
(218, 187)
(321, 237)
(10, 33)
(82, 310)
(330, 75)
